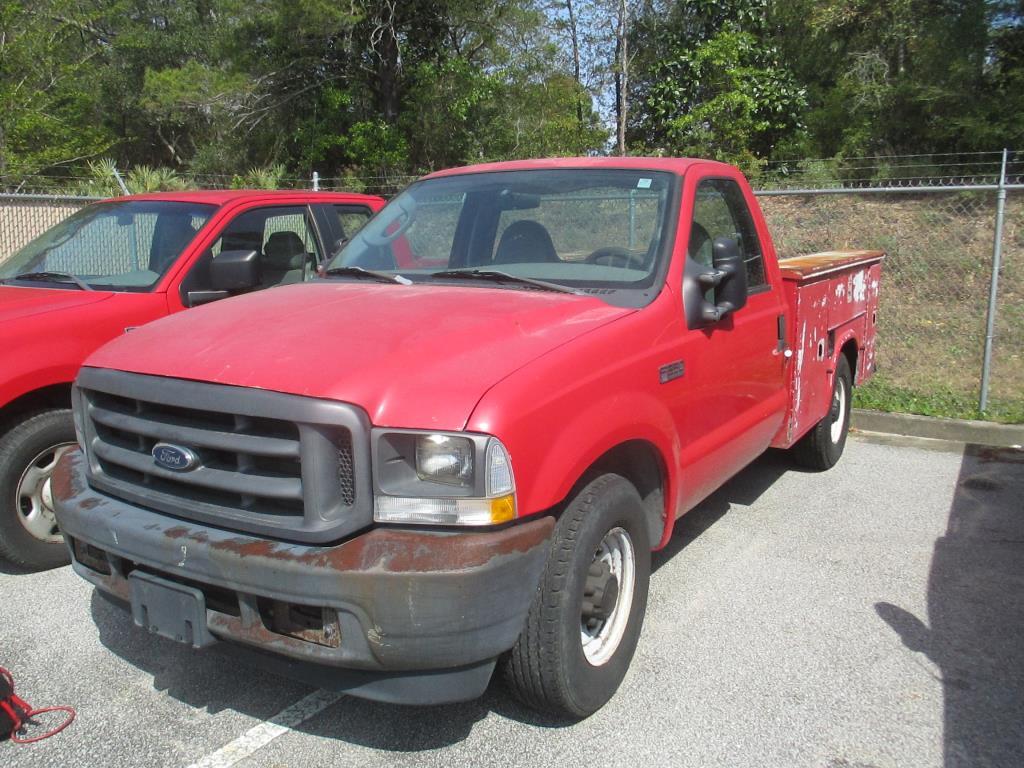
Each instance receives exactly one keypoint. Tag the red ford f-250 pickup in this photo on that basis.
(112, 266)
(459, 448)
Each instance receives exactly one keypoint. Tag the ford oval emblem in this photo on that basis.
(174, 457)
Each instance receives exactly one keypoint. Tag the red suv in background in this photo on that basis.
(110, 267)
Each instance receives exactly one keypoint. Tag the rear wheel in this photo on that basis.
(821, 448)
(29, 451)
(583, 626)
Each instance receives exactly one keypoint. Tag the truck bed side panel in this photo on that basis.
(833, 301)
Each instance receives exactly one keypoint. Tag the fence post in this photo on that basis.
(120, 181)
(632, 218)
(993, 289)
(316, 181)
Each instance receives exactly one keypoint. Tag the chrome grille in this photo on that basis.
(265, 462)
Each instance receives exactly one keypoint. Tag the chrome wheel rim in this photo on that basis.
(838, 410)
(608, 596)
(34, 496)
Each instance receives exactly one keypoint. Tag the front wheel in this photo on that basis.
(585, 620)
(29, 451)
(821, 448)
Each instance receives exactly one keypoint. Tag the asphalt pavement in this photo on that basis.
(869, 616)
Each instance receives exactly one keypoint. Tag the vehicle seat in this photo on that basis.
(284, 259)
(525, 242)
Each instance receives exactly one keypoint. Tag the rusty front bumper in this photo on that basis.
(387, 600)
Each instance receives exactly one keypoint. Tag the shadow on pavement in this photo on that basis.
(975, 627)
(745, 488)
(214, 680)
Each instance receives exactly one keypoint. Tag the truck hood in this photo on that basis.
(417, 356)
(17, 302)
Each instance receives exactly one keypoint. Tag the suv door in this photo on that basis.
(284, 237)
(736, 385)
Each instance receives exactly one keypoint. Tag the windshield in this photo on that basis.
(593, 230)
(124, 246)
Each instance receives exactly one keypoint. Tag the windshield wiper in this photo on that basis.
(54, 277)
(369, 274)
(496, 276)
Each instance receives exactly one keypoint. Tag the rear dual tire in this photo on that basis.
(586, 616)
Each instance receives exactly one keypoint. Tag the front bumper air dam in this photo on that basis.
(421, 615)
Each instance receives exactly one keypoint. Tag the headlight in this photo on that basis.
(442, 478)
(445, 459)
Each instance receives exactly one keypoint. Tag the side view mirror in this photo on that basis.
(230, 272)
(235, 271)
(728, 279)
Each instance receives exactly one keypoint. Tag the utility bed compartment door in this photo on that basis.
(832, 298)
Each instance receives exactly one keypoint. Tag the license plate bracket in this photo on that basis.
(168, 609)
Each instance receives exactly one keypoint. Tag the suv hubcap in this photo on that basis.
(35, 498)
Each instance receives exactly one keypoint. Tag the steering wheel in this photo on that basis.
(398, 225)
(616, 256)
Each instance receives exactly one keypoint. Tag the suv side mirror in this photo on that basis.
(728, 279)
(234, 271)
(230, 272)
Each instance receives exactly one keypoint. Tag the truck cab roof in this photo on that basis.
(676, 165)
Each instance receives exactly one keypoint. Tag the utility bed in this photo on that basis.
(833, 296)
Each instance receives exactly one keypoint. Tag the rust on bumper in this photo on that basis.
(389, 599)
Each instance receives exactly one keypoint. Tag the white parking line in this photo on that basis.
(257, 737)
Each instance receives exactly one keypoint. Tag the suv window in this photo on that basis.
(350, 218)
(126, 245)
(282, 237)
(719, 210)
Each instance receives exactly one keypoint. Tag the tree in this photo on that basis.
(51, 115)
(707, 84)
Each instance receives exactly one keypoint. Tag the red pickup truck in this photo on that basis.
(111, 267)
(459, 448)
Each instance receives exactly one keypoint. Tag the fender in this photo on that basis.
(34, 380)
(605, 424)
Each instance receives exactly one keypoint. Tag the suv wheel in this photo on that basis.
(29, 451)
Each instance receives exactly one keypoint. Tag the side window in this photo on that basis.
(350, 218)
(719, 210)
(282, 238)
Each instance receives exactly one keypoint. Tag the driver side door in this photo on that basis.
(735, 397)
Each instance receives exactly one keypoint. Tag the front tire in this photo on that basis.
(821, 448)
(586, 616)
(29, 450)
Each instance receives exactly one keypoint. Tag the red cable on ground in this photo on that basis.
(21, 713)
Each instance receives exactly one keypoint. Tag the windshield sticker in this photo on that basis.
(643, 184)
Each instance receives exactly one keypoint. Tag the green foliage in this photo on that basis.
(368, 89)
(143, 178)
(712, 88)
(48, 102)
(268, 177)
(879, 395)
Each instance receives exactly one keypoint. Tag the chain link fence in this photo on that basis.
(935, 283)
(932, 320)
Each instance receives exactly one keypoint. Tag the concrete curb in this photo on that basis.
(961, 431)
